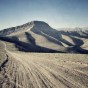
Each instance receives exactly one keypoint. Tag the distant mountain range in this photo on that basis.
(74, 29)
(38, 36)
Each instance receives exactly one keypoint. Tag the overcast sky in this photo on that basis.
(57, 13)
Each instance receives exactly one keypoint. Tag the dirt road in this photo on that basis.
(43, 70)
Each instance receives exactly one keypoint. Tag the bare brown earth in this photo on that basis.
(42, 70)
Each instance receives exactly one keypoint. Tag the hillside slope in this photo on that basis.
(38, 33)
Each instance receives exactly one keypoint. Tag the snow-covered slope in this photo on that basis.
(38, 33)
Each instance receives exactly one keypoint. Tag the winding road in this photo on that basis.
(43, 70)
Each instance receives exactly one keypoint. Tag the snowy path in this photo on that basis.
(34, 70)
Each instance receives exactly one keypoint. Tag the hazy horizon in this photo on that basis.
(57, 13)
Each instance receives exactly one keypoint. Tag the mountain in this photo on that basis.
(38, 36)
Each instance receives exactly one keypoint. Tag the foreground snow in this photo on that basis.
(43, 70)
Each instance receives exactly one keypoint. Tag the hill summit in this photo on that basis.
(32, 24)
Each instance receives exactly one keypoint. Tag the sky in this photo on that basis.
(57, 13)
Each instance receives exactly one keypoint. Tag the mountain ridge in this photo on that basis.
(20, 27)
(36, 34)
(35, 23)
